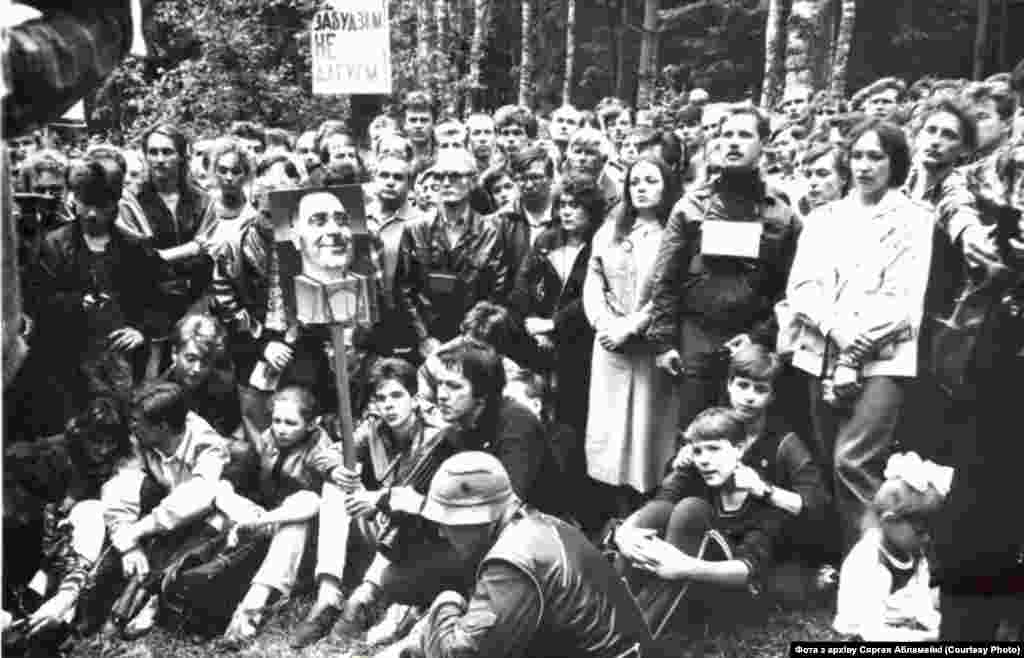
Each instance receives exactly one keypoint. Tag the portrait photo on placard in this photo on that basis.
(323, 255)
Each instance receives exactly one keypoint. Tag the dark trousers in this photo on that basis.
(666, 602)
(859, 439)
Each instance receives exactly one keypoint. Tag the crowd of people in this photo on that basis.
(631, 370)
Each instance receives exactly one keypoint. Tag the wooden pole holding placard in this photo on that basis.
(344, 399)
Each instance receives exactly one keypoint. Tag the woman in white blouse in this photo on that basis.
(853, 312)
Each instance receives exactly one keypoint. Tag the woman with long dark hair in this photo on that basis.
(631, 418)
(549, 296)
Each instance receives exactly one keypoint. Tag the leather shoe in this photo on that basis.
(315, 627)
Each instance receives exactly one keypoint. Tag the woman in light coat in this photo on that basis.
(632, 411)
(852, 314)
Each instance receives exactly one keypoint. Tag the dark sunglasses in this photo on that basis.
(235, 171)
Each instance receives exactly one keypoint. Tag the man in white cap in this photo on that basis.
(541, 587)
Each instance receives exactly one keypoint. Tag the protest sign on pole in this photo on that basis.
(352, 48)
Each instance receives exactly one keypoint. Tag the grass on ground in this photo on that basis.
(768, 635)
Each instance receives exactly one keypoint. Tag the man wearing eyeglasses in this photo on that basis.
(98, 292)
(449, 259)
(534, 170)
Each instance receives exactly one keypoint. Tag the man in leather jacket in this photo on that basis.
(708, 289)
(541, 587)
(449, 260)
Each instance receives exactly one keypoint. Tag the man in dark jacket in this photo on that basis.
(469, 397)
(722, 265)
(100, 292)
(451, 259)
(175, 208)
(541, 588)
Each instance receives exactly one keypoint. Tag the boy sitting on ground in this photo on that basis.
(664, 540)
(296, 458)
(776, 465)
(388, 444)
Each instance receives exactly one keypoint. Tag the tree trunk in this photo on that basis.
(807, 47)
(649, 54)
(570, 51)
(623, 80)
(425, 43)
(443, 53)
(1004, 35)
(981, 38)
(842, 47)
(476, 53)
(774, 53)
(527, 61)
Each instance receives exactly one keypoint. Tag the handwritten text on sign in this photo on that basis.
(352, 48)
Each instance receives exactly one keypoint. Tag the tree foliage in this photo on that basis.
(215, 61)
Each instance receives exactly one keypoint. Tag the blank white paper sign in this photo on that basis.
(740, 239)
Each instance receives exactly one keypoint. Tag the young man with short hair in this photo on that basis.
(516, 127)
(482, 139)
(178, 462)
(388, 444)
(418, 123)
(664, 542)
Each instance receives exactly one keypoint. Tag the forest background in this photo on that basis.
(216, 61)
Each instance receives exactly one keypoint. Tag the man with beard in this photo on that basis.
(707, 292)
(342, 164)
(482, 140)
(541, 588)
(564, 122)
(449, 259)
(387, 216)
(419, 126)
(99, 292)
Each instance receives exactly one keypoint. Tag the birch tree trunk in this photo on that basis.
(807, 47)
(527, 61)
(844, 40)
(570, 51)
(774, 53)
(425, 44)
(476, 52)
(442, 56)
(649, 54)
(981, 37)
